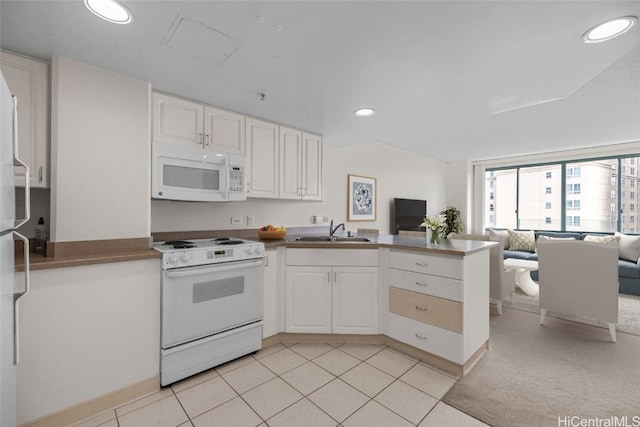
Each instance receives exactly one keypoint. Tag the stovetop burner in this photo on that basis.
(180, 244)
(228, 242)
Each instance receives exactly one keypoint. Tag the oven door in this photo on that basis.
(205, 300)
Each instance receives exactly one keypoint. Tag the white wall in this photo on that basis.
(399, 173)
(460, 191)
(100, 153)
(85, 332)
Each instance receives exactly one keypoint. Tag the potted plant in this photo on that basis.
(452, 221)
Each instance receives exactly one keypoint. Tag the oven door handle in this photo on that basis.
(214, 268)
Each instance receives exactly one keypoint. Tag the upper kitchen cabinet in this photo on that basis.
(300, 165)
(261, 159)
(179, 121)
(28, 80)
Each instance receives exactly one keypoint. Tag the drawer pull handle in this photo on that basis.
(422, 284)
(421, 308)
(422, 337)
(422, 264)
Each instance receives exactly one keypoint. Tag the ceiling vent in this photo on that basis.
(200, 41)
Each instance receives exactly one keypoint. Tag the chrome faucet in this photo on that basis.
(332, 230)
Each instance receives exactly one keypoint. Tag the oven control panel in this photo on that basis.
(204, 256)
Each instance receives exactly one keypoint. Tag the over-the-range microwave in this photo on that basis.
(193, 174)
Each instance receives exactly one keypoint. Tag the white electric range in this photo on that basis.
(212, 303)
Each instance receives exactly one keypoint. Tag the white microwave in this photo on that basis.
(193, 174)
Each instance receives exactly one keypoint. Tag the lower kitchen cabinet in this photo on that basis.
(330, 298)
(271, 315)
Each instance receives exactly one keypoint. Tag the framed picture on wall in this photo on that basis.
(361, 198)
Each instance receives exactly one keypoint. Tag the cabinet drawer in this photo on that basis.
(438, 265)
(438, 341)
(333, 257)
(425, 308)
(438, 286)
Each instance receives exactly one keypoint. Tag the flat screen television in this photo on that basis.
(408, 214)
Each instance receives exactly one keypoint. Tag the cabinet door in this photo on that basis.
(223, 131)
(271, 323)
(311, 167)
(177, 121)
(262, 159)
(290, 163)
(28, 80)
(308, 299)
(355, 300)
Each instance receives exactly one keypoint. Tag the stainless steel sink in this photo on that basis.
(330, 239)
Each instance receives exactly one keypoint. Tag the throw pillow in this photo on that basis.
(600, 239)
(629, 247)
(499, 236)
(522, 240)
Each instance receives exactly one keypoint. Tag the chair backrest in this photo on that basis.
(498, 288)
(580, 278)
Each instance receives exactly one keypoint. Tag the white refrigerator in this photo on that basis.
(11, 291)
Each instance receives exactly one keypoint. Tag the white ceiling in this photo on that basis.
(452, 80)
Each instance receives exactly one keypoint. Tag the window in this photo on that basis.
(526, 190)
(632, 219)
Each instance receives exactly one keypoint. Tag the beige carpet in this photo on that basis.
(628, 311)
(534, 374)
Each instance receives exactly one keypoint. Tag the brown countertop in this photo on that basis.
(73, 254)
(446, 247)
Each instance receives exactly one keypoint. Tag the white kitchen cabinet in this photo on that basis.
(180, 121)
(28, 80)
(439, 303)
(261, 174)
(272, 307)
(224, 131)
(354, 300)
(300, 165)
(308, 299)
(332, 291)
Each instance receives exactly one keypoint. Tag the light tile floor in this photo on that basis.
(301, 384)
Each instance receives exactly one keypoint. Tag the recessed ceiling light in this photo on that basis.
(364, 112)
(610, 29)
(110, 10)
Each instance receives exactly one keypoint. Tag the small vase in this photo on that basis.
(434, 239)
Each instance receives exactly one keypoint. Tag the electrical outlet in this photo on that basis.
(236, 220)
(251, 221)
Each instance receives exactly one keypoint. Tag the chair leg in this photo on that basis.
(499, 305)
(612, 331)
(543, 312)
